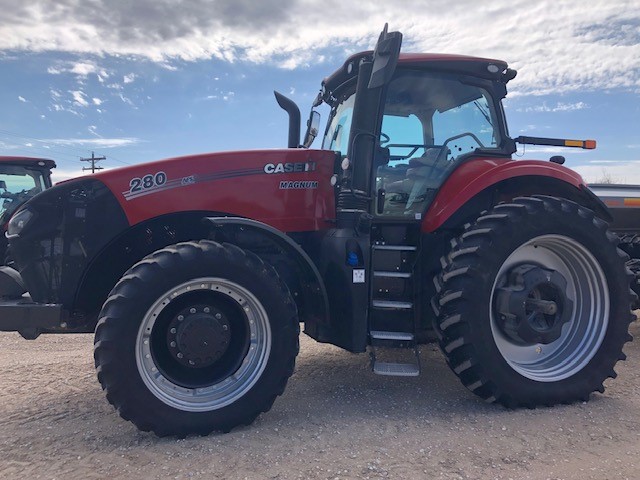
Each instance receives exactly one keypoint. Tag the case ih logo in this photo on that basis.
(289, 167)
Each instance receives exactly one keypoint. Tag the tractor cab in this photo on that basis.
(433, 115)
(402, 136)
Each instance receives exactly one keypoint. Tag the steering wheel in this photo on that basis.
(463, 134)
(384, 138)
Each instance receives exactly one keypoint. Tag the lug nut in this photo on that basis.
(173, 330)
(218, 316)
(180, 355)
(180, 318)
(225, 327)
(173, 344)
(191, 362)
(207, 309)
(192, 310)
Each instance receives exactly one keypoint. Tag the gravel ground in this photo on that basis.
(335, 420)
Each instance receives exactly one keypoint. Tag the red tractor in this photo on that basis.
(412, 220)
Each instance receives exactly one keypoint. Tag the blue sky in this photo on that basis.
(145, 80)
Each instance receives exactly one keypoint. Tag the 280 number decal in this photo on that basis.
(146, 182)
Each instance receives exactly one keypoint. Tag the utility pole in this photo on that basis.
(93, 161)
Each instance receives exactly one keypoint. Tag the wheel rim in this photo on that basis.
(585, 323)
(222, 377)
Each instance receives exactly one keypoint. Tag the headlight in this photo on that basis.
(18, 222)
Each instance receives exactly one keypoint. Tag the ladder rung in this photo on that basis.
(405, 248)
(396, 369)
(392, 274)
(401, 336)
(392, 305)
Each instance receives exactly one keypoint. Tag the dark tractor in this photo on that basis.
(412, 220)
(624, 204)
(20, 179)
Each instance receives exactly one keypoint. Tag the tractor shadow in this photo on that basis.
(330, 390)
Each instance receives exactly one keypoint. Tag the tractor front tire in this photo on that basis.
(533, 303)
(196, 337)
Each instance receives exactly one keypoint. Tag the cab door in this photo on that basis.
(431, 122)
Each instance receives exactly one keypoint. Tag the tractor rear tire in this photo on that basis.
(196, 337)
(533, 303)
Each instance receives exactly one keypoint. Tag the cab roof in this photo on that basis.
(463, 64)
(28, 161)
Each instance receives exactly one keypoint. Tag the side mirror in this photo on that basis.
(313, 126)
(3, 185)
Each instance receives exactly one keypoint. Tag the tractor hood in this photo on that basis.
(288, 189)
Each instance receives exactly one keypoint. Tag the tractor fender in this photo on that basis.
(480, 183)
(312, 300)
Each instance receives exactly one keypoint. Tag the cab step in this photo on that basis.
(392, 305)
(393, 345)
(395, 248)
(396, 369)
(399, 336)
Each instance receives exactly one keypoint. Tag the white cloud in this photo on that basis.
(559, 107)
(94, 142)
(81, 69)
(84, 68)
(79, 98)
(129, 78)
(96, 101)
(558, 46)
(614, 170)
(126, 100)
(59, 174)
(22, 99)
(524, 150)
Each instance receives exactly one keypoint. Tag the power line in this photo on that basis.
(93, 161)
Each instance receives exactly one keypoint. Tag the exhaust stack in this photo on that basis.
(292, 109)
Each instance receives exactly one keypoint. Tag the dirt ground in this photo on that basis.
(335, 420)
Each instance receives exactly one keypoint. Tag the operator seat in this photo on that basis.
(424, 173)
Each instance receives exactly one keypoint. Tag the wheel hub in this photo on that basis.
(532, 305)
(199, 336)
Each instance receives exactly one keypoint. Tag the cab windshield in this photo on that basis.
(337, 134)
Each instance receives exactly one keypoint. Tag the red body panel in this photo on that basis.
(474, 176)
(247, 184)
(412, 58)
(442, 57)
